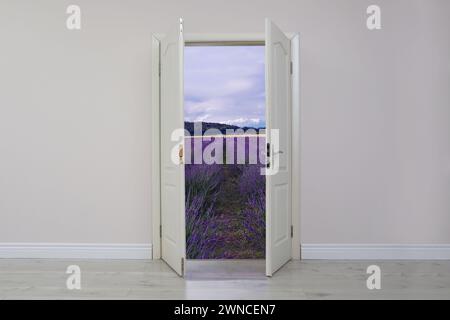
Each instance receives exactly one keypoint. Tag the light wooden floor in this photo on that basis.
(46, 279)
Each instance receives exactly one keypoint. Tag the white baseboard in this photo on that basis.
(375, 252)
(75, 251)
(144, 251)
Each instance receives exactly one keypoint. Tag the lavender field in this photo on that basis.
(225, 203)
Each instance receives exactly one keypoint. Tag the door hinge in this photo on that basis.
(182, 266)
(292, 231)
(268, 155)
(291, 67)
(159, 69)
(160, 230)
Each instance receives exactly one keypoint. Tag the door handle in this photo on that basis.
(278, 152)
(181, 153)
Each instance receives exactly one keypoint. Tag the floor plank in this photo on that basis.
(212, 279)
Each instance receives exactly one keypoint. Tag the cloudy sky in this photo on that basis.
(225, 84)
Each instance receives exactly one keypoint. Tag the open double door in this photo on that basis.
(278, 120)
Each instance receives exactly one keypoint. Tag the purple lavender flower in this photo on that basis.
(251, 180)
(201, 229)
(254, 220)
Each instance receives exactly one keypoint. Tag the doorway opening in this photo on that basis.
(225, 150)
(169, 161)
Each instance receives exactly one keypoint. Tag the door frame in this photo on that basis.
(228, 39)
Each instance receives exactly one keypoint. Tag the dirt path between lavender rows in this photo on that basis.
(229, 206)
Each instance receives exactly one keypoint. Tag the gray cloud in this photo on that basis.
(225, 84)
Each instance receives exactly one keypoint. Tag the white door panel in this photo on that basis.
(278, 186)
(172, 173)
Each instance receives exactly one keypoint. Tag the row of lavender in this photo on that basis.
(225, 150)
(220, 197)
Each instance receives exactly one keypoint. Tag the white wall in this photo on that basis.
(75, 116)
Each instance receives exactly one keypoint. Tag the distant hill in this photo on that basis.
(222, 127)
